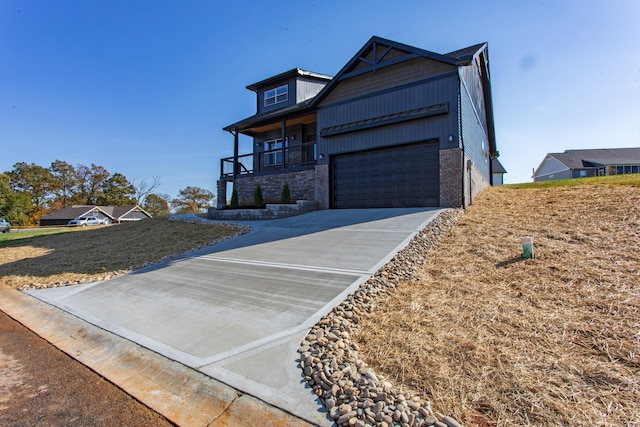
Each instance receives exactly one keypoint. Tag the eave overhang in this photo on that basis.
(296, 72)
(296, 114)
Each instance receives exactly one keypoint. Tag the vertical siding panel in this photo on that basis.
(442, 90)
(476, 141)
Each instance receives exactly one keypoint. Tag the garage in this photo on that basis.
(394, 177)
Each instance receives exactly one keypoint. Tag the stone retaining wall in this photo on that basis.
(352, 392)
(272, 211)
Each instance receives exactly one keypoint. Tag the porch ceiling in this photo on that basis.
(260, 128)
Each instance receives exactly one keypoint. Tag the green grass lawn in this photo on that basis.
(631, 179)
(5, 238)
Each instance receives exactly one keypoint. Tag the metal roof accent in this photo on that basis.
(387, 119)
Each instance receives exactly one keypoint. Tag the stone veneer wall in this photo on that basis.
(474, 183)
(450, 178)
(222, 194)
(301, 186)
(322, 186)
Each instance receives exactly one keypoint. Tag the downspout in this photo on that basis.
(462, 166)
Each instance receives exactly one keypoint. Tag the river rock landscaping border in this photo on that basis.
(353, 394)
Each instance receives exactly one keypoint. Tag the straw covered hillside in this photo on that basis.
(495, 340)
(89, 254)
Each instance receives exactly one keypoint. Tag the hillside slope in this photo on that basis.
(496, 340)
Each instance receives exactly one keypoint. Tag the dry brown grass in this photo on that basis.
(95, 253)
(496, 340)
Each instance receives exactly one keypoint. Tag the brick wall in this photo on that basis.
(322, 186)
(301, 186)
(451, 178)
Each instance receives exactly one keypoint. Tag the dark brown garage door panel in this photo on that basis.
(402, 176)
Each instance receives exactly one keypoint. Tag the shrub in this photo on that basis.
(285, 198)
(234, 199)
(258, 201)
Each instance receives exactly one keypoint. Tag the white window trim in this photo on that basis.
(276, 95)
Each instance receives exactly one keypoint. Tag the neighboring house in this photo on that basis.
(586, 163)
(498, 171)
(111, 213)
(398, 126)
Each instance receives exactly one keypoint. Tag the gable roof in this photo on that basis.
(75, 212)
(122, 211)
(466, 54)
(580, 159)
(496, 166)
(296, 72)
(456, 58)
(113, 212)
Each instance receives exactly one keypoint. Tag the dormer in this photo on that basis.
(286, 89)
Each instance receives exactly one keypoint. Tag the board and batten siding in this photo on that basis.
(437, 91)
(291, 95)
(472, 79)
(307, 88)
(474, 133)
(385, 78)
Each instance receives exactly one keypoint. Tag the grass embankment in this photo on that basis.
(93, 253)
(496, 340)
(28, 233)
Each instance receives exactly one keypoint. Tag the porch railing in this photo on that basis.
(245, 165)
(303, 154)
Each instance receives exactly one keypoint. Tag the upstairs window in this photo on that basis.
(274, 96)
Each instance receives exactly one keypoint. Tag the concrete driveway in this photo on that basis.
(237, 311)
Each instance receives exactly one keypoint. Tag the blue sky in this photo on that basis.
(144, 87)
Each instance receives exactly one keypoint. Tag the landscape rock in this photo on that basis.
(351, 391)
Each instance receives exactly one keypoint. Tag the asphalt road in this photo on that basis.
(42, 386)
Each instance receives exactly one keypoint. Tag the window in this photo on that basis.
(310, 150)
(273, 152)
(274, 96)
(583, 174)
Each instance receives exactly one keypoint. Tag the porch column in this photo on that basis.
(236, 169)
(284, 149)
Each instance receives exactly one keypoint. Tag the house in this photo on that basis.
(397, 126)
(498, 171)
(109, 213)
(586, 163)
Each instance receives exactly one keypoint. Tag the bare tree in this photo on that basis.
(144, 188)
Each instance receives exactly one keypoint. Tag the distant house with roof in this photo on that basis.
(497, 172)
(110, 213)
(587, 163)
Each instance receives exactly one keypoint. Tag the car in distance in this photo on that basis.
(85, 220)
(4, 226)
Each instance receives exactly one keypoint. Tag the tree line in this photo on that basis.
(29, 191)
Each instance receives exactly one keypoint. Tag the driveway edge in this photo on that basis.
(181, 394)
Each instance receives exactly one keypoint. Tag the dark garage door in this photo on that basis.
(394, 177)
